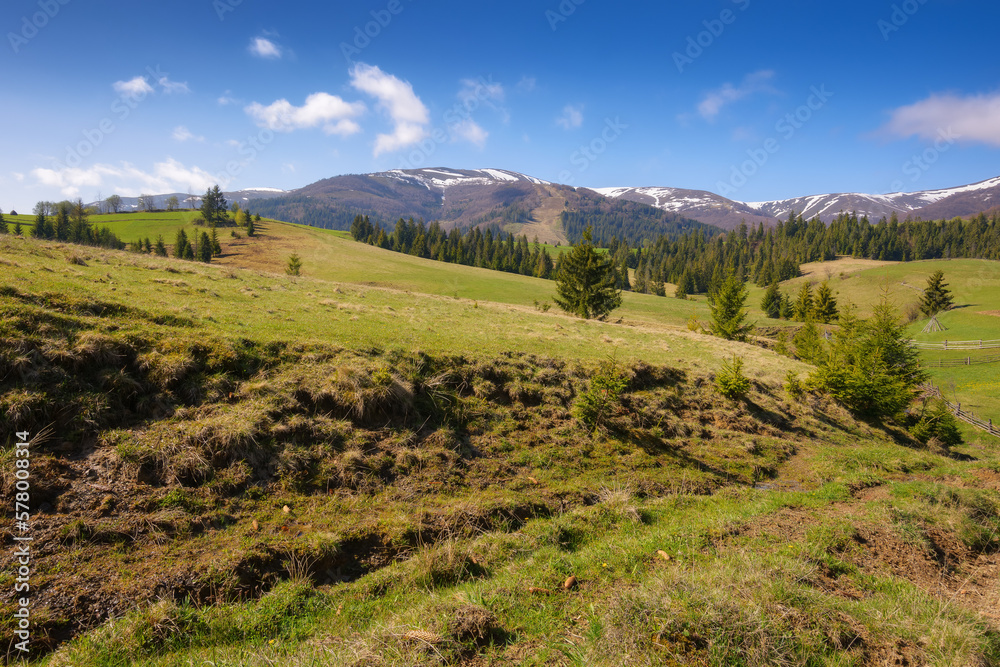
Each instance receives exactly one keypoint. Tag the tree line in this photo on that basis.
(698, 261)
(69, 223)
(489, 249)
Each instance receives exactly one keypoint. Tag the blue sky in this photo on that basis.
(756, 100)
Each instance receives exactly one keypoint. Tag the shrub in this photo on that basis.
(604, 393)
(937, 422)
(730, 381)
(794, 386)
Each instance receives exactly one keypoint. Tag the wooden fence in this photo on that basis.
(959, 345)
(964, 415)
(968, 361)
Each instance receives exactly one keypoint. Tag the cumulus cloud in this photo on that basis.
(469, 130)
(182, 134)
(125, 178)
(716, 100)
(398, 101)
(265, 48)
(136, 87)
(571, 118)
(320, 109)
(974, 118)
(171, 87)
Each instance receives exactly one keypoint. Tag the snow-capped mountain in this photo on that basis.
(707, 207)
(717, 210)
(443, 179)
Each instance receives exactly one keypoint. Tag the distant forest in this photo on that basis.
(699, 260)
(490, 249)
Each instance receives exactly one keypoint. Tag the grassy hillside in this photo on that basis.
(361, 467)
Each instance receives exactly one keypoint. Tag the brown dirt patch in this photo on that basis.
(993, 313)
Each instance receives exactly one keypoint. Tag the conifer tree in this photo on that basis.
(17, 227)
(937, 297)
(3, 225)
(787, 308)
(181, 245)
(61, 231)
(160, 249)
(294, 267)
(771, 303)
(680, 292)
(804, 303)
(204, 248)
(729, 313)
(214, 242)
(825, 308)
(251, 227)
(40, 230)
(586, 281)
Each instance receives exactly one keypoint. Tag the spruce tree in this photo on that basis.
(61, 231)
(181, 245)
(825, 307)
(680, 292)
(937, 297)
(160, 249)
(771, 303)
(586, 281)
(39, 231)
(17, 227)
(3, 225)
(204, 248)
(251, 227)
(787, 308)
(214, 241)
(294, 267)
(804, 303)
(729, 312)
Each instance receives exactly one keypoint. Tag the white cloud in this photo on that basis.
(469, 130)
(181, 133)
(975, 118)
(527, 84)
(265, 48)
(716, 100)
(126, 179)
(136, 87)
(571, 118)
(226, 99)
(170, 87)
(397, 99)
(480, 89)
(321, 109)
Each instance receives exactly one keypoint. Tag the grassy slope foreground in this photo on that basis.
(236, 468)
